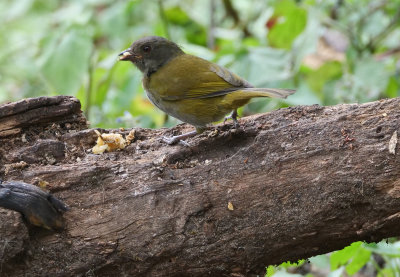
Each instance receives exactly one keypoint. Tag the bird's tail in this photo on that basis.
(268, 92)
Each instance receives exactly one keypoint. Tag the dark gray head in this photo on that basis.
(150, 53)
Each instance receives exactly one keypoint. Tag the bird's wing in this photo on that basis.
(190, 77)
(229, 77)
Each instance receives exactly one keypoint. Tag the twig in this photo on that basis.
(164, 18)
(231, 12)
(89, 86)
(386, 31)
(211, 31)
(354, 31)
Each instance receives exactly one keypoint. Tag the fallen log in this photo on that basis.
(288, 185)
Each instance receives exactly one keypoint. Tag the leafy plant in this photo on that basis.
(374, 259)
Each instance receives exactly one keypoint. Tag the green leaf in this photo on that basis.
(387, 272)
(262, 65)
(66, 67)
(290, 22)
(291, 264)
(280, 271)
(283, 273)
(392, 89)
(370, 72)
(306, 43)
(385, 249)
(355, 256)
(327, 72)
(113, 21)
(341, 257)
(270, 271)
(360, 259)
(195, 32)
(303, 96)
(177, 16)
(371, 76)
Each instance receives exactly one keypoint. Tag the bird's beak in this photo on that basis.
(125, 55)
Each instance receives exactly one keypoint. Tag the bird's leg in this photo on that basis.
(180, 138)
(233, 116)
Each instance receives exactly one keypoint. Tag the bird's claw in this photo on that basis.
(174, 140)
(184, 143)
(233, 116)
(236, 123)
(170, 140)
(179, 138)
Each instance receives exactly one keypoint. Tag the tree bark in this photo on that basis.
(288, 185)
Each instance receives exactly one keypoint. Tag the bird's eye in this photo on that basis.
(146, 48)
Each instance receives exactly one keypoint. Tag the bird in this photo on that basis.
(189, 88)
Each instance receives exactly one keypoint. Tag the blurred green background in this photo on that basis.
(331, 51)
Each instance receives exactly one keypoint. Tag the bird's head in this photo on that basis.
(150, 53)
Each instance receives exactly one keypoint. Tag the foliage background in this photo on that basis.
(331, 51)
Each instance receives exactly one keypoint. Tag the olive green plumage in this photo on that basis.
(189, 88)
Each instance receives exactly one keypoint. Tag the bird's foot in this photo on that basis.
(179, 139)
(233, 116)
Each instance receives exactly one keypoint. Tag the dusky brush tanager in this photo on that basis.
(190, 88)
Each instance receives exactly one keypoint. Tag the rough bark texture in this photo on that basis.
(299, 182)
